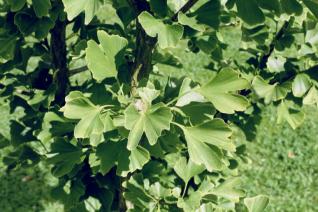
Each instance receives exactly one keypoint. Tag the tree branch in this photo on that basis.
(278, 36)
(185, 8)
(59, 61)
(74, 71)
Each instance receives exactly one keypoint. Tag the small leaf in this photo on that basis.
(187, 170)
(256, 204)
(294, 117)
(301, 85)
(16, 5)
(312, 6)
(101, 58)
(74, 7)
(312, 97)
(151, 121)
(41, 7)
(200, 138)
(219, 91)
(65, 157)
(249, 12)
(168, 35)
(269, 92)
(191, 22)
(292, 6)
(92, 121)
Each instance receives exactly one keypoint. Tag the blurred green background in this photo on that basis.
(283, 162)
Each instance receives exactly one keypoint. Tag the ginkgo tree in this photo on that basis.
(82, 82)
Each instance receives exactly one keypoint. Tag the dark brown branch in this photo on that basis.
(185, 8)
(278, 36)
(59, 61)
(144, 46)
(77, 70)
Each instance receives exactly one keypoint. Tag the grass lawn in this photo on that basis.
(285, 163)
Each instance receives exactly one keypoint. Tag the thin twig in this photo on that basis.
(185, 8)
(278, 36)
(77, 70)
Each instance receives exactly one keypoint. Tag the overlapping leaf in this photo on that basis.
(220, 91)
(151, 120)
(92, 121)
(101, 58)
(204, 142)
(270, 92)
(74, 7)
(168, 35)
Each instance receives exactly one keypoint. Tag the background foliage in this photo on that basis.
(92, 95)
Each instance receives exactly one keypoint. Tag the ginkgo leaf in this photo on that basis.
(151, 120)
(191, 22)
(187, 169)
(92, 121)
(256, 204)
(64, 157)
(293, 117)
(74, 7)
(270, 92)
(228, 189)
(168, 35)
(312, 6)
(129, 162)
(301, 85)
(219, 91)
(249, 11)
(205, 140)
(41, 7)
(312, 97)
(16, 5)
(100, 58)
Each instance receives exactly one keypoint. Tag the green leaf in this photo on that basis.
(159, 7)
(249, 12)
(228, 189)
(204, 141)
(168, 35)
(256, 204)
(16, 5)
(64, 157)
(312, 97)
(74, 7)
(28, 24)
(294, 117)
(220, 91)
(92, 121)
(101, 59)
(115, 153)
(129, 162)
(270, 92)
(108, 154)
(151, 120)
(186, 170)
(41, 7)
(292, 6)
(312, 6)
(8, 45)
(191, 22)
(301, 85)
